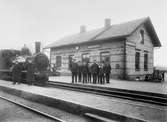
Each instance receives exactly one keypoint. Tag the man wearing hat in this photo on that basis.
(30, 72)
(16, 73)
(79, 71)
(74, 67)
(95, 71)
(107, 71)
(85, 72)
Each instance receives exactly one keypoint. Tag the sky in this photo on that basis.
(26, 21)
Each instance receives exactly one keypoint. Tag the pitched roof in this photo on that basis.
(123, 29)
(114, 31)
(76, 38)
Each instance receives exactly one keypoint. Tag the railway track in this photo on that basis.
(33, 110)
(153, 98)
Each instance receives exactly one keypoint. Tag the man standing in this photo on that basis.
(74, 68)
(107, 71)
(95, 70)
(89, 73)
(163, 76)
(79, 71)
(84, 72)
(101, 74)
(30, 72)
(16, 73)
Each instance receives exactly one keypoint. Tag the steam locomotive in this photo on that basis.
(9, 57)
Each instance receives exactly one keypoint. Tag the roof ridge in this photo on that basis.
(93, 38)
(143, 18)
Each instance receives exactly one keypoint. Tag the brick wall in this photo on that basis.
(115, 49)
(134, 44)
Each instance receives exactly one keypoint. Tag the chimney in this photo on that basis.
(107, 23)
(37, 47)
(82, 29)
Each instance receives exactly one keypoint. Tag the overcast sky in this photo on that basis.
(26, 21)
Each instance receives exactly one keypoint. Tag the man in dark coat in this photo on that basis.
(98, 74)
(79, 71)
(16, 73)
(84, 72)
(107, 71)
(101, 74)
(94, 70)
(30, 72)
(89, 73)
(74, 68)
(163, 76)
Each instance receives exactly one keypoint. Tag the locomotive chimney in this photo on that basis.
(107, 22)
(37, 47)
(82, 29)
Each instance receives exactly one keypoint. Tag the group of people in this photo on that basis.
(90, 72)
(17, 70)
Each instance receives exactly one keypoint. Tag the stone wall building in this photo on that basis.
(129, 47)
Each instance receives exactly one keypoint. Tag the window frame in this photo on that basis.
(146, 61)
(70, 61)
(106, 56)
(58, 64)
(142, 36)
(86, 54)
(137, 60)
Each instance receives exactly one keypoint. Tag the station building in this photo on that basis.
(129, 47)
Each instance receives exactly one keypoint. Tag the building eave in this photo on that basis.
(120, 38)
(153, 33)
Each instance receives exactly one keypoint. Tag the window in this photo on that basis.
(137, 61)
(145, 62)
(117, 66)
(85, 57)
(142, 36)
(104, 57)
(58, 61)
(70, 61)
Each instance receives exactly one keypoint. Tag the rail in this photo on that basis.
(146, 97)
(34, 110)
